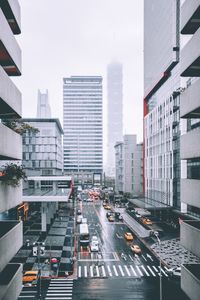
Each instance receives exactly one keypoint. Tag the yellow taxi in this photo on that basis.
(146, 221)
(107, 207)
(128, 236)
(136, 249)
(30, 277)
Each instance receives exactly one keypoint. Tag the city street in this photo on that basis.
(113, 271)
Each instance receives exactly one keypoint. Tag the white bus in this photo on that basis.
(84, 237)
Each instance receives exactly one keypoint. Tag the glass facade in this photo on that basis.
(82, 123)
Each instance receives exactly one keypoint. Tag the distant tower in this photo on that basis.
(114, 113)
(43, 107)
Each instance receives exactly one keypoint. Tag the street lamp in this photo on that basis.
(156, 234)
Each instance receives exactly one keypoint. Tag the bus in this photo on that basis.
(84, 237)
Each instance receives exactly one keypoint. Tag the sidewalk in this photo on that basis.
(59, 243)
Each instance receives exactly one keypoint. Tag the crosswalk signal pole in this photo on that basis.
(157, 236)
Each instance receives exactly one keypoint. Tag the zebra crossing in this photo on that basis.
(59, 289)
(117, 270)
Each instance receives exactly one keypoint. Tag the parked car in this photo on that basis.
(30, 278)
(136, 249)
(175, 271)
(78, 212)
(128, 236)
(79, 219)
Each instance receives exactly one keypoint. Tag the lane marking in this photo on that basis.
(79, 271)
(120, 268)
(85, 271)
(127, 270)
(115, 270)
(151, 271)
(131, 257)
(144, 257)
(133, 271)
(139, 271)
(91, 271)
(163, 271)
(103, 271)
(145, 270)
(155, 269)
(109, 271)
(97, 271)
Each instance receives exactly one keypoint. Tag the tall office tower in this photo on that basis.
(189, 143)
(128, 166)
(161, 101)
(42, 151)
(83, 133)
(43, 107)
(114, 113)
(11, 239)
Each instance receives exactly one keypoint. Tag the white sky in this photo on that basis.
(80, 37)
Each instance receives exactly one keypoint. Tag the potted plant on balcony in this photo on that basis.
(11, 174)
(20, 127)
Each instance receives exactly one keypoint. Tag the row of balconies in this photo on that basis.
(10, 147)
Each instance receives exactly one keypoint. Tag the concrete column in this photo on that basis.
(44, 217)
(48, 214)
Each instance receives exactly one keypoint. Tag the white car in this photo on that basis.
(175, 271)
(94, 239)
(94, 246)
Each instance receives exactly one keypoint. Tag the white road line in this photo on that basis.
(163, 271)
(127, 270)
(155, 269)
(120, 268)
(79, 271)
(85, 271)
(60, 285)
(109, 270)
(132, 269)
(56, 294)
(139, 271)
(97, 271)
(144, 257)
(151, 271)
(56, 298)
(145, 270)
(115, 271)
(91, 271)
(103, 271)
(131, 257)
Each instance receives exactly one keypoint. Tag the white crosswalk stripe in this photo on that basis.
(59, 288)
(127, 270)
(120, 268)
(145, 270)
(114, 270)
(151, 271)
(131, 257)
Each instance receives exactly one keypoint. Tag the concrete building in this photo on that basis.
(129, 166)
(43, 107)
(161, 101)
(83, 130)
(42, 151)
(114, 113)
(189, 143)
(10, 147)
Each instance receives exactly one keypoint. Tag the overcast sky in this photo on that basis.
(80, 37)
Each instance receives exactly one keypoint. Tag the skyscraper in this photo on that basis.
(43, 107)
(82, 124)
(114, 113)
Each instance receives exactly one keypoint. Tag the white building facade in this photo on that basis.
(43, 107)
(83, 128)
(129, 166)
(114, 113)
(162, 101)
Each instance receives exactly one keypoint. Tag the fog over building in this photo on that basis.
(114, 113)
(43, 107)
